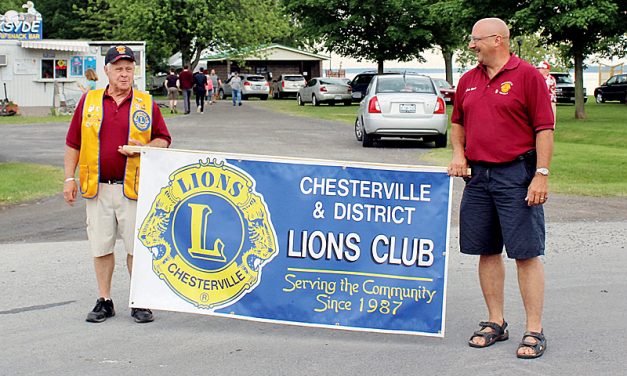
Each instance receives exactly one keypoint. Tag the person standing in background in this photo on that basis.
(172, 86)
(91, 77)
(208, 90)
(236, 88)
(200, 81)
(545, 69)
(186, 82)
(216, 85)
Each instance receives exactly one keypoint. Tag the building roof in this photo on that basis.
(271, 52)
(57, 45)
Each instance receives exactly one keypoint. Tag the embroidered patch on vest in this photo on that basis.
(141, 120)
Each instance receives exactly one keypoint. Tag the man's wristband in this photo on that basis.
(69, 179)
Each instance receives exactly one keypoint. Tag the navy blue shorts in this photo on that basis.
(494, 212)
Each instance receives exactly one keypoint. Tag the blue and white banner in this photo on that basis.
(317, 243)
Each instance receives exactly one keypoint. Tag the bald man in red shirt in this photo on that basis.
(502, 128)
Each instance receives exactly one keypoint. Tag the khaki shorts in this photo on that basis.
(110, 214)
(173, 93)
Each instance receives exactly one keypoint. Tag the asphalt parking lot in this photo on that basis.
(48, 284)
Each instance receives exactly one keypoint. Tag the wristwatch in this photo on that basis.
(542, 171)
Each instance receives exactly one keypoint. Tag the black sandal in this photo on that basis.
(500, 333)
(538, 346)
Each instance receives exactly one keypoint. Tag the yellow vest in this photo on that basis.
(140, 124)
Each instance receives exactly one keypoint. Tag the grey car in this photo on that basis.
(253, 85)
(325, 90)
(402, 105)
(287, 85)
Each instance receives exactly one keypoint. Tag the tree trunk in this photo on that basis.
(448, 65)
(380, 66)
(196, 56)
(580, 111)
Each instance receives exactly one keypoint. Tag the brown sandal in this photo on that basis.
(538, 346)
(500, 333)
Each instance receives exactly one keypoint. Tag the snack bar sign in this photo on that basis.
(22, 26)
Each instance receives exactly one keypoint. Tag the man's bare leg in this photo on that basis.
(104, 266)
(129, 263)
(531, 284)
(492, 280)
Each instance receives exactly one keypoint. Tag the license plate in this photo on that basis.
(338, 97)
(407, 108)
(257, 87)
(357, 95)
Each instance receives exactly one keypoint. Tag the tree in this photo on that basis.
(450, 23)
(188, 26)
(375, 30)
(585, 27)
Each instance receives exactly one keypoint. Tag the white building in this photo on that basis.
(33, 69)
(40, 74)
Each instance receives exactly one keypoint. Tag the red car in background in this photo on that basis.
(447, 90)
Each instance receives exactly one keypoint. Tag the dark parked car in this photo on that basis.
(565, 88)
(614, 89)
(447, 90)
(360, 83)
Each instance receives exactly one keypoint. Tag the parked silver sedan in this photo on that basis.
(402, 105)
(325, 90)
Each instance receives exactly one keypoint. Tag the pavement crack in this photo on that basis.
(35, 307)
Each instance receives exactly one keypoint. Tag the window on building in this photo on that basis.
(47, 68)
(60, 69)
(53, 68)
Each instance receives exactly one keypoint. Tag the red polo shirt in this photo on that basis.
(502, 115)
(113, 133)
(186, 79)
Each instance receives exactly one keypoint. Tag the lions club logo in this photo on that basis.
(505, 87)
(141, 120)
(209, 233)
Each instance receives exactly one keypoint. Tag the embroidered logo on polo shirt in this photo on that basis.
(505, 88)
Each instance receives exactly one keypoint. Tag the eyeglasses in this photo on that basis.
(477, 39)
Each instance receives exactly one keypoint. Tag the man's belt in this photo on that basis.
(528, 156)
(111, 181)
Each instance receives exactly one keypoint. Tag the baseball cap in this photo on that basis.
(116, 53)
(543, 65)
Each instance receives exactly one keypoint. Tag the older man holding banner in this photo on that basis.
(105, 121)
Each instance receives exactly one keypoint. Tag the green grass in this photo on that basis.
(20, 119)
(22, 182)
(590, 156)
(339, 112)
